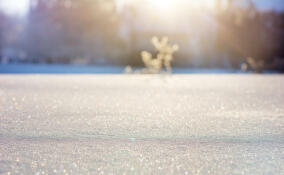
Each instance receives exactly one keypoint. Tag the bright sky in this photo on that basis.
(17, 7)
(270, 4)
(20, 7)
(262, 4)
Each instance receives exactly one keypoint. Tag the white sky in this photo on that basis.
(17, 7)
(20, 7)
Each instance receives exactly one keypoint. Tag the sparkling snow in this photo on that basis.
(141, 124)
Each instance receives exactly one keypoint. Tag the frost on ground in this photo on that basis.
(141, 124)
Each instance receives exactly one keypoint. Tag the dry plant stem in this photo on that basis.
(164, 57)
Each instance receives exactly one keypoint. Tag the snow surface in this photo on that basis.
(91, 69)
(58, 69)
(141, 124)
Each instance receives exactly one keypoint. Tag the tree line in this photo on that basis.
(89, 32)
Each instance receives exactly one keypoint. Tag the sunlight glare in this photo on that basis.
(168, 6)
(19, 7)
(163, 5)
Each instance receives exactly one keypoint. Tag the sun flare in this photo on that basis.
(163, 5)
(168, 6)
(14, 6)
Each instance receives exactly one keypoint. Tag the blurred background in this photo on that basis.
(212, 34)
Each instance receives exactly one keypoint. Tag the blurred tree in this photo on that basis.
(2, 29)
(248, 33)
(5, 26)
(10, 31)
(62, 31)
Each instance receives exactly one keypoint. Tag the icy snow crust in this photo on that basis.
(141, 124)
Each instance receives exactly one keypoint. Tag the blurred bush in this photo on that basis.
(252, 36)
